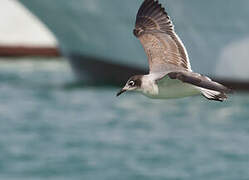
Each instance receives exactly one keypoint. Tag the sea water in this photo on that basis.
(52, 128)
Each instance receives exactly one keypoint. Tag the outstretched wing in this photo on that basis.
(161, 44)
(199, 81)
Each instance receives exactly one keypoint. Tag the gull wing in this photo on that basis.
(156, 33)
(199, 81)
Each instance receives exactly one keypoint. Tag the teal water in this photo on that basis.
(52, 128)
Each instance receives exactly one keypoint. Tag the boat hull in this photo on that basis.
(217, 39)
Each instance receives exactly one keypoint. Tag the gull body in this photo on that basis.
(166, 89)
(170, 74)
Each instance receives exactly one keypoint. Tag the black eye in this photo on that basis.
(131, 83)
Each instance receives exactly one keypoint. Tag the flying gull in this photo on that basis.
(170, 74)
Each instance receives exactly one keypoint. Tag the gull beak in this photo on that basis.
(121, 92)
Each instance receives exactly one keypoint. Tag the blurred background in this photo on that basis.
(61, 64)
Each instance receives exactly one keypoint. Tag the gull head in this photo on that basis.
(134, 83)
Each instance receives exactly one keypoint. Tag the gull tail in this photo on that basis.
(217, 92)
(209, 89)
(213, 95)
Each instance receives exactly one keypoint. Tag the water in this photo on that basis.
(51, 128)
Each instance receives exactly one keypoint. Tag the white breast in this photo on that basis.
(149, 87)
(167, 88)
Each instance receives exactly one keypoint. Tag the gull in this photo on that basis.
(170, 74)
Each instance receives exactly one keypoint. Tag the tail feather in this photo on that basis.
(213, 95)
(209, 89)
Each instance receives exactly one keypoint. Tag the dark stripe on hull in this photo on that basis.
(21, 51)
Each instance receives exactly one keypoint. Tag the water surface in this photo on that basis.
(52, 128)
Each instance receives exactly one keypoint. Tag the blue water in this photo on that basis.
(52, 128)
